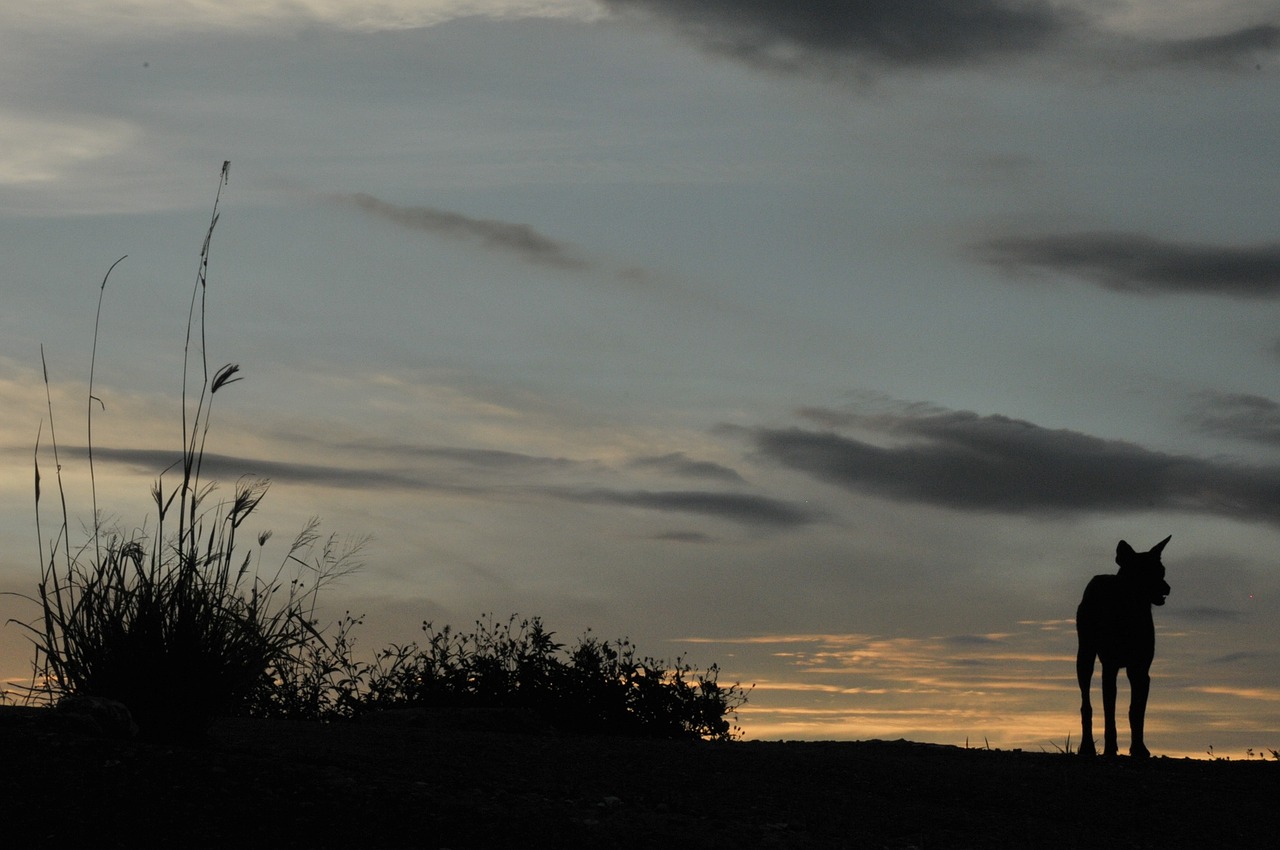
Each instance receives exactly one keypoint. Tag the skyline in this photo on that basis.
(837, 344)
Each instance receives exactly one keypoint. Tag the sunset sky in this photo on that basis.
(835, 342)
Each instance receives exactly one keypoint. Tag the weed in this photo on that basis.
(1065, 749)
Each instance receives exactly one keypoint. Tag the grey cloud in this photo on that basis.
(495, 460)
(747, 509)
(807, 35)
(226, 467)
(1228, 50)
(1207, 613)
(736, 507)
(677, 463)
(1238, 415)
(520, 240)
(1139, 264)
(685, 537)
(1237, 657)
(825, 36)
(995, 464)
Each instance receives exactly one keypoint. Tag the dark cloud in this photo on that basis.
(1236, 49)
(1238, 415)
(737, 507)
(685, 537)
(1237, 657)
(828, 36)
(400, 454)
(677, 463)
(806, 35)
(520, 240)
(1130, 262)
(228, 468)
(1205, 613)
(994, 464)
(743, 508)
(494, 460)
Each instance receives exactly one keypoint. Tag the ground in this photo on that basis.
(449, 781)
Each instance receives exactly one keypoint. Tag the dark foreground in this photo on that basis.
(453, 782)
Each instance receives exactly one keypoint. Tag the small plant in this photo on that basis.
(316, 679)
(174, 621)
(1065, 749)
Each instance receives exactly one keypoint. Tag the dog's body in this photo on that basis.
(1114, 625)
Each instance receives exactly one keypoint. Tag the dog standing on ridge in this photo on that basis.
(1113, 624)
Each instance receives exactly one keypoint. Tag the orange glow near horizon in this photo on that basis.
(1006, 690)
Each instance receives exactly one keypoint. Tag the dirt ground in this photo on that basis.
(455, 782)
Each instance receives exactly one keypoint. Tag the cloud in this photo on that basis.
(485, 460)
(807, 35)
(685, 537)
(227, 467)
(1228, 50)
(744, 508)
(38, 150)
(825, 36)
(737, 507)
(1238, 415)
(678, 464)
(519, 240)
(995, 464)
(1237, 657)
(1143, 265)
(119, 18)
(1206, 613)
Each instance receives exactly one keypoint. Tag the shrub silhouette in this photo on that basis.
(594, 686)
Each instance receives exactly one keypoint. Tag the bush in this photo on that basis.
(596, 686)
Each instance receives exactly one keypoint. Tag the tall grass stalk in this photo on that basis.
(179, 625)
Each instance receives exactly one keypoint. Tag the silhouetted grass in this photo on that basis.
(177, 621)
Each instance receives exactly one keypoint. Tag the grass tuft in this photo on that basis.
(176, 623)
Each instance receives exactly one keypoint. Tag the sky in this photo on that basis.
(836, 343)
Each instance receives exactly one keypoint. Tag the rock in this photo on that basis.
(98, 715)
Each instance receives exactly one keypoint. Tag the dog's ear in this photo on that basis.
(1124, 552)
(1156, 549)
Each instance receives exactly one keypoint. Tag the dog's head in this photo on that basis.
(1144, 570)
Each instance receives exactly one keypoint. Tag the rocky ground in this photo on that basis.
(415, 781)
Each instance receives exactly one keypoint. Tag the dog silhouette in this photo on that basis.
(1114, 625)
